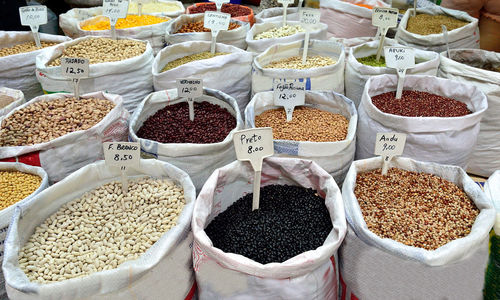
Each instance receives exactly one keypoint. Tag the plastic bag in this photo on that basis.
(18, 99)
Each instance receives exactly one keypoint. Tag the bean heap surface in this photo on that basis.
(129, 22)
(198, 27)
(416, 209)
(5, 100)
(425, 24)
(295, 62)
(15, 186)
(290, 220)
(171, 124)
(308, 124)
(278, 32)
(44, 121)
(372, 61)
(488, 66)
(153, 7)
(193, 57)
(234, 9)
(101, 230)
(100, 50)
(23, 48)
(420, 104)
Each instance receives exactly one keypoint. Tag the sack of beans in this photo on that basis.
(10, 99)
(194, 59)
(424, 30)
(70, 20)
(265, 35)
(323, 70)
(323, 130)
(18, 184)
(87, 238)
(162, 8)
(492, 280)
(418, 232)
(362, 64)
(440, 117)
(481, 68)
(237, 12)
(121, 66)
(349, 18)
(17, 60)
(60, 133)
(275, 14)
(187, 28)
(162, 126)
(285, 250)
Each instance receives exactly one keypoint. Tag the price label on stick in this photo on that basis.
(216, 21)
(190, 88)
(289, 93)
(285, 4)
(218, 3)
(122, 155)
(254, 145)
(401, 59)
(388, 145)
(75, 68)
(384, 18)
(308, 18)
(114, 10)
(34, 16)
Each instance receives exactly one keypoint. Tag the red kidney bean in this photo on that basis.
(171, 124)
(420, 104)
(234, 9)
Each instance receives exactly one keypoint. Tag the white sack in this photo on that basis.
(235, 37)
(230, 73)
(310, 275)
(492, 190)
(130, 78)
(172, 14)
(381, 268)
(334, 157)
(6, 213)
(327, 78)
(18, 71)
(485, 158)
(357, 74)
(18, 99)
(275, 14)
(317, 32)
(198, 160)
(63, 155)
(447, 141)
(164, 269)
(69, 20)
(463, 37)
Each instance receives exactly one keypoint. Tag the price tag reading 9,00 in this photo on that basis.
(385, 17)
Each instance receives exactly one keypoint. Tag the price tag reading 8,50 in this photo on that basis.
(385, 17)
(114, 10)
(289, 93)
(122, 154)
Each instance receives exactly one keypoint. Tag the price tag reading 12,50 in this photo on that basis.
(122, 155)
(114, 10)
(388, 145)
(289, 93)
(34, 16)
(216, 21)
(75, 68)
(190, 88)
(254, 145)
(401, 59)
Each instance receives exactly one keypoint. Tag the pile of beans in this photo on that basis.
(308, 124)
(278, 32)
(171, 124)
(129, 22)
(5, 100)
(153, 7)
(420, 104)
(295, 62)
(193, 57)
(100, 50)
(425, 24)
(198, 27)
(23, 48)
(102, 229)
(44, 121)
(234, 9)
(15, 186)
(478, 64)
(372, 61)
(416, 209)
(290, 220)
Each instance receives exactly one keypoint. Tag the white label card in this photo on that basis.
(122, 154)
(385, 17)
(73, 67)
(289, 93)
(114, 10)
(216, 21)
(388, 145)
(309, 17)
(286, 2)
(218, 3)
(189, 87)
(33, 15)
(399, 57)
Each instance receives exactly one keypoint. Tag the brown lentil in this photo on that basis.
(308, 124)
(278, 32)
(23, 48)
(416, 209)
(372, 61)
(425, 24)
(295, 62)
(5, 100)
(420, 104)
(99, 50)
(44, 121)
(15, 186)
(193, 57)
(198, 27)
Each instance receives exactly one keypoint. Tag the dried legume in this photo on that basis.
(101, 230)
(372, 61)
(198, 27)
(99, 50)
(488, 66)
(44, 121)
(234, 9)
(416, 209)
(193, 57)
(15, 186)
(128, 22)
(153, 7)
(425, 24)
(295, 62)
(420, 104)
(23, 48)
(278, 32)
(5, 100)
(308, 124)
(290, 220)
(171, 124)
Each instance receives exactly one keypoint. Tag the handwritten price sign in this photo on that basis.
(385, 17)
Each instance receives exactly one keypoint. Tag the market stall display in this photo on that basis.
(158, 8)
(10, 99)
(237, 12)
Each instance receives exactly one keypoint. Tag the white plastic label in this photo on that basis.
(385, 17)
(309, 17)
(189, 87)
(114, 10)
(388, 145)
(216, 21)
(286, 2)
(73, 67)
(399, 57)
(122, 154)
(33, 15)
(218, 3)
(289, 93)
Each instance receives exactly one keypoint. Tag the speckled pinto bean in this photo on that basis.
(199, 27)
